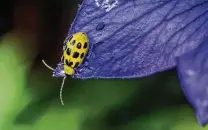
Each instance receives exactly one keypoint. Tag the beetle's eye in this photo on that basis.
(73, 42)
(79, 46)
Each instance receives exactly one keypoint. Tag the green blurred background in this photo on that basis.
(29, 95)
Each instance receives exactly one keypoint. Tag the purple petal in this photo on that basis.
(137, 38)
(193, 73)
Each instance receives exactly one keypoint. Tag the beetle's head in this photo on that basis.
(59, 71)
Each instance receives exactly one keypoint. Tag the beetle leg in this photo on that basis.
(91, 49)
(76, 72)
(89, 68)
(86, 62)
(90, 54)
(62, 57)
(86, 65)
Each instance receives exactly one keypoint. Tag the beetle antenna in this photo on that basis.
(47, 65)
(61, 91)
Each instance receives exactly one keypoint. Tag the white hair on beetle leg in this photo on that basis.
(61, 91)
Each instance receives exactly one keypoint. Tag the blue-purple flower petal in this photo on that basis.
(193, 74)
(136, 38)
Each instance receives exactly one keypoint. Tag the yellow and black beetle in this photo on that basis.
(74, 52)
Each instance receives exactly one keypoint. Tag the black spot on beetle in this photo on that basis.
(75, 55)
(67, 62)
(85, 45)
(70, 37)
(76, 65)
(79, 45)
(73, 42)
(68, 51)
(82, 55)
(70, 64)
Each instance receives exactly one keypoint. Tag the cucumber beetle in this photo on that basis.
(74, 51)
